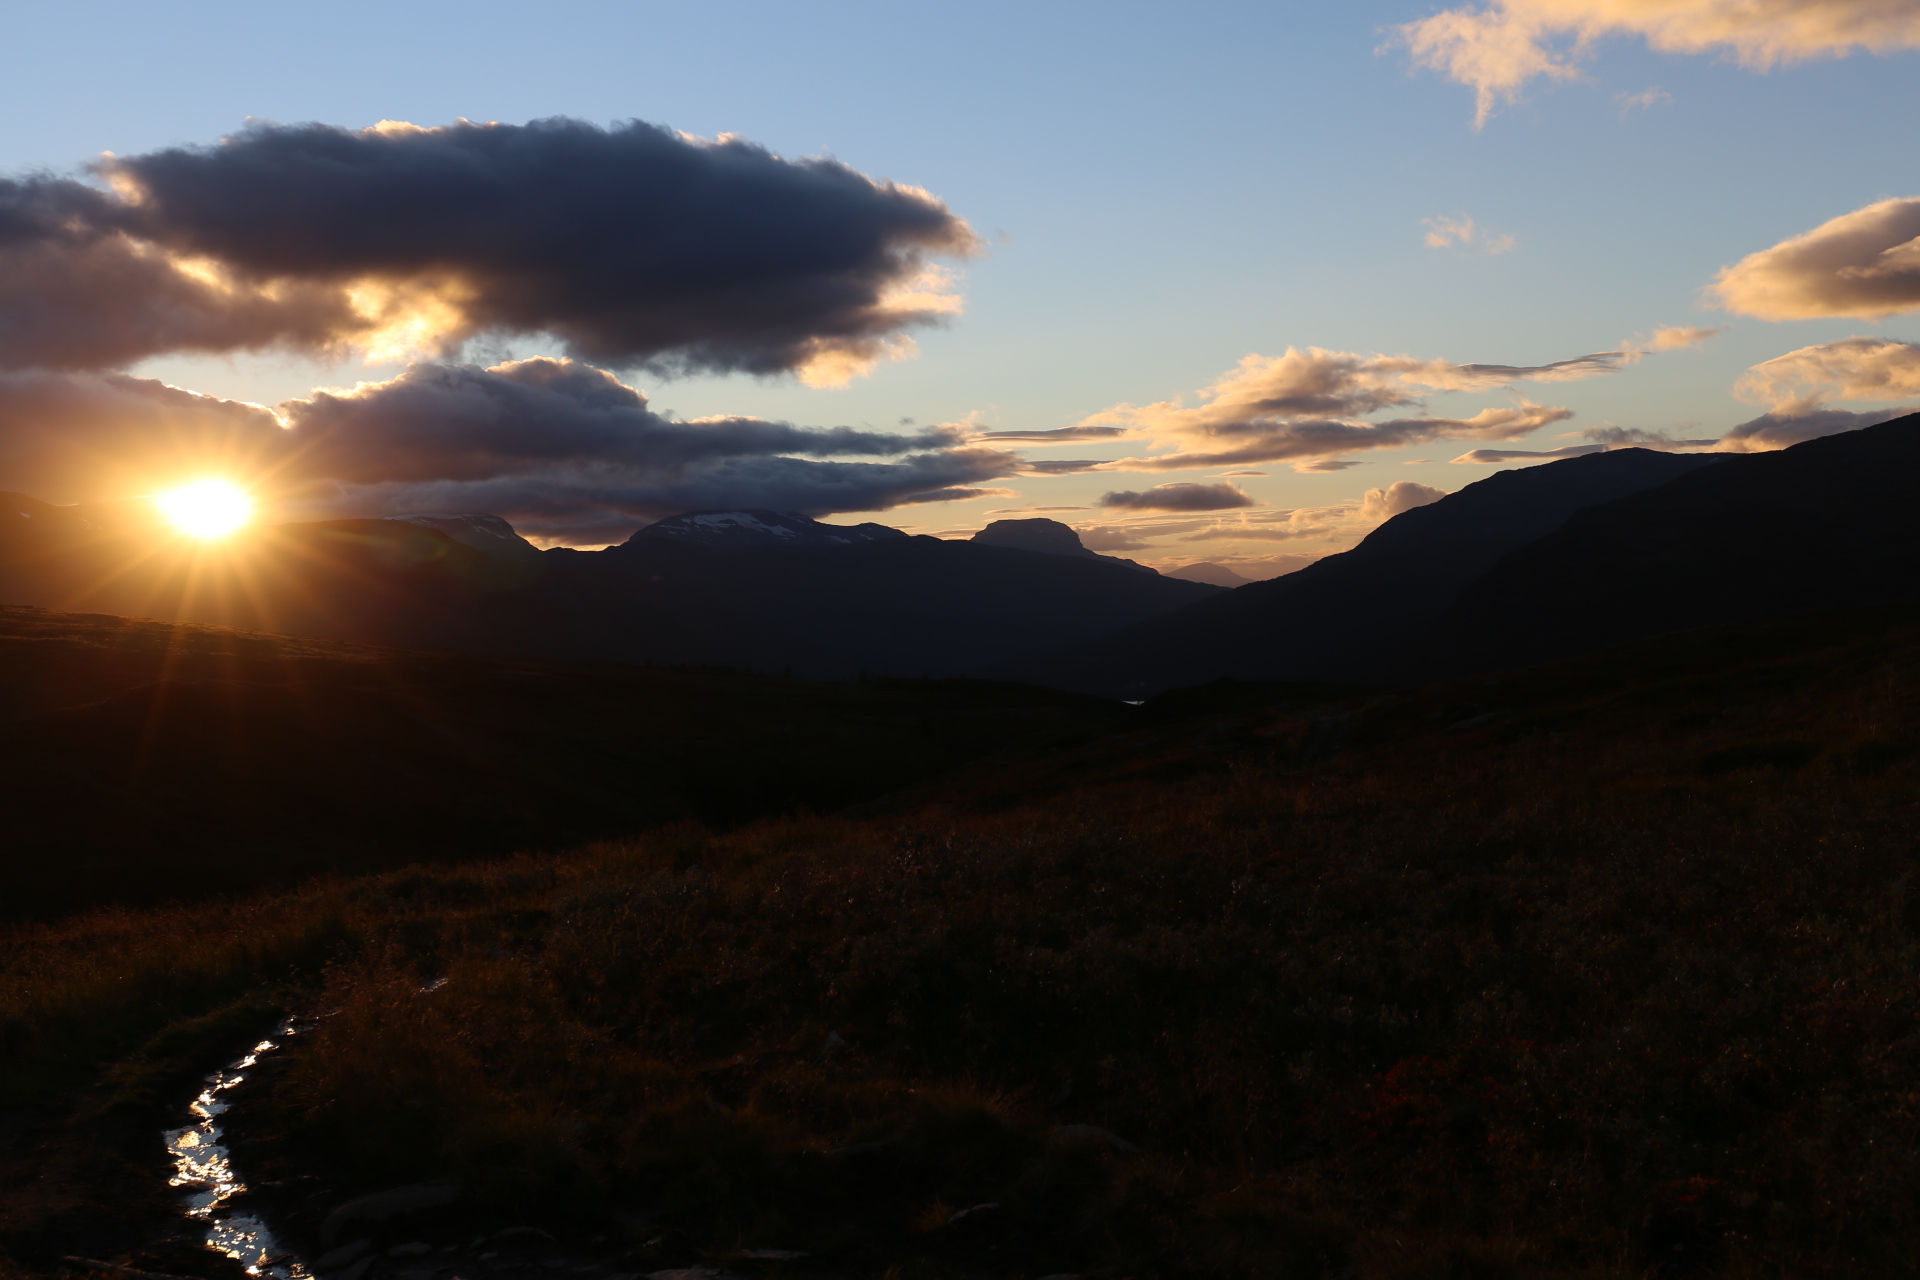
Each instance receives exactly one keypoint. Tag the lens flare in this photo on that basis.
(206, 508)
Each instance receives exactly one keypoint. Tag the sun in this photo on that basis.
(206, 508)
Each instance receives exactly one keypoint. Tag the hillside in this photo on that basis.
(1351, 615)
(1825, 524)
(144, 760)
(1602, 968)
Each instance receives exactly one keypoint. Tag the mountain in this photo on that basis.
(489, 534)
(878, 603)
(759, 529)
(1217, 574)
(1049, 537)
(1828, 523)
(1353, 616)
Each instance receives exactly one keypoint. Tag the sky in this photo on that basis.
(1278, 270)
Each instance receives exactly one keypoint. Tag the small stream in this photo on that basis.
(204, 1170)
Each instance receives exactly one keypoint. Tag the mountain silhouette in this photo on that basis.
(1049, 537)
(1826, 524)
(1352, 616)
(880, 602)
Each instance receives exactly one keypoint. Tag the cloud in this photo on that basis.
(1639, 437)
(1305, 407)
(1498, 49)
(75, 438)
(1111, 538)
(1184, 496)
(462, 422)
(1772, 431)
(1851, 369)
(1461, 233)
(1278, 526)
(633, 245)
(1225, 474)
(1646, 100)
(1864, 265)
(563, 450)
(1401, 495)
(1059, 435)
(1491, 457)
(1666, 337)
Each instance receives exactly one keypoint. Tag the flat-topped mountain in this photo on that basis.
(758, 529)
(1049, 537)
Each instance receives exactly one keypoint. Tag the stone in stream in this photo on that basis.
(417, 1249)
(355, 1271)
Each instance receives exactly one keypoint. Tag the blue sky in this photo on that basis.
(1167, 189)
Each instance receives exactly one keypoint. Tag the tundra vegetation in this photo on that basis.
(1602, 968)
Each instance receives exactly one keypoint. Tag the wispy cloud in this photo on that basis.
(1463, 233)
(1645, 100)
(1499, 48)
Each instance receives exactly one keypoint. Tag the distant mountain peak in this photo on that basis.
(490, 534)
(758, 528)
(1206, 571)
(1049, 537)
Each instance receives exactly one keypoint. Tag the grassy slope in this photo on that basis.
(1599, 967)
(135, 750)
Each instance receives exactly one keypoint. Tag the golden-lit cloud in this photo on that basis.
(1863, 265)
(1666, 337)
(1401, 495)
(1307, 407)
(1499, 48)
(1802, 381)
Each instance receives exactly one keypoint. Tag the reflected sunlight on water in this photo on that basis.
(201, 1165)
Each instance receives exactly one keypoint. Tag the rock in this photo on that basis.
(694, 1273)
(357, 1270)
(382, 1205)
(524, 1235)
(412, 1249)
(772, 1255)
(1092, 1133)
(343, 1255)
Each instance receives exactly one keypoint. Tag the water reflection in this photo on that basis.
(201, 1165)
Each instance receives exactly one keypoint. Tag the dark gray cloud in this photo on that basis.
(1179, 497)
(558, 448)
(462, 422)
(1780, 430)
(591, 505)
(633, 245)
(1614, 437)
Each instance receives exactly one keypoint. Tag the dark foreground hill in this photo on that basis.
(1351, 615)
(143, 760)
(1545, 561)
(1603, 969)
(1825, 524)
(906, 606)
